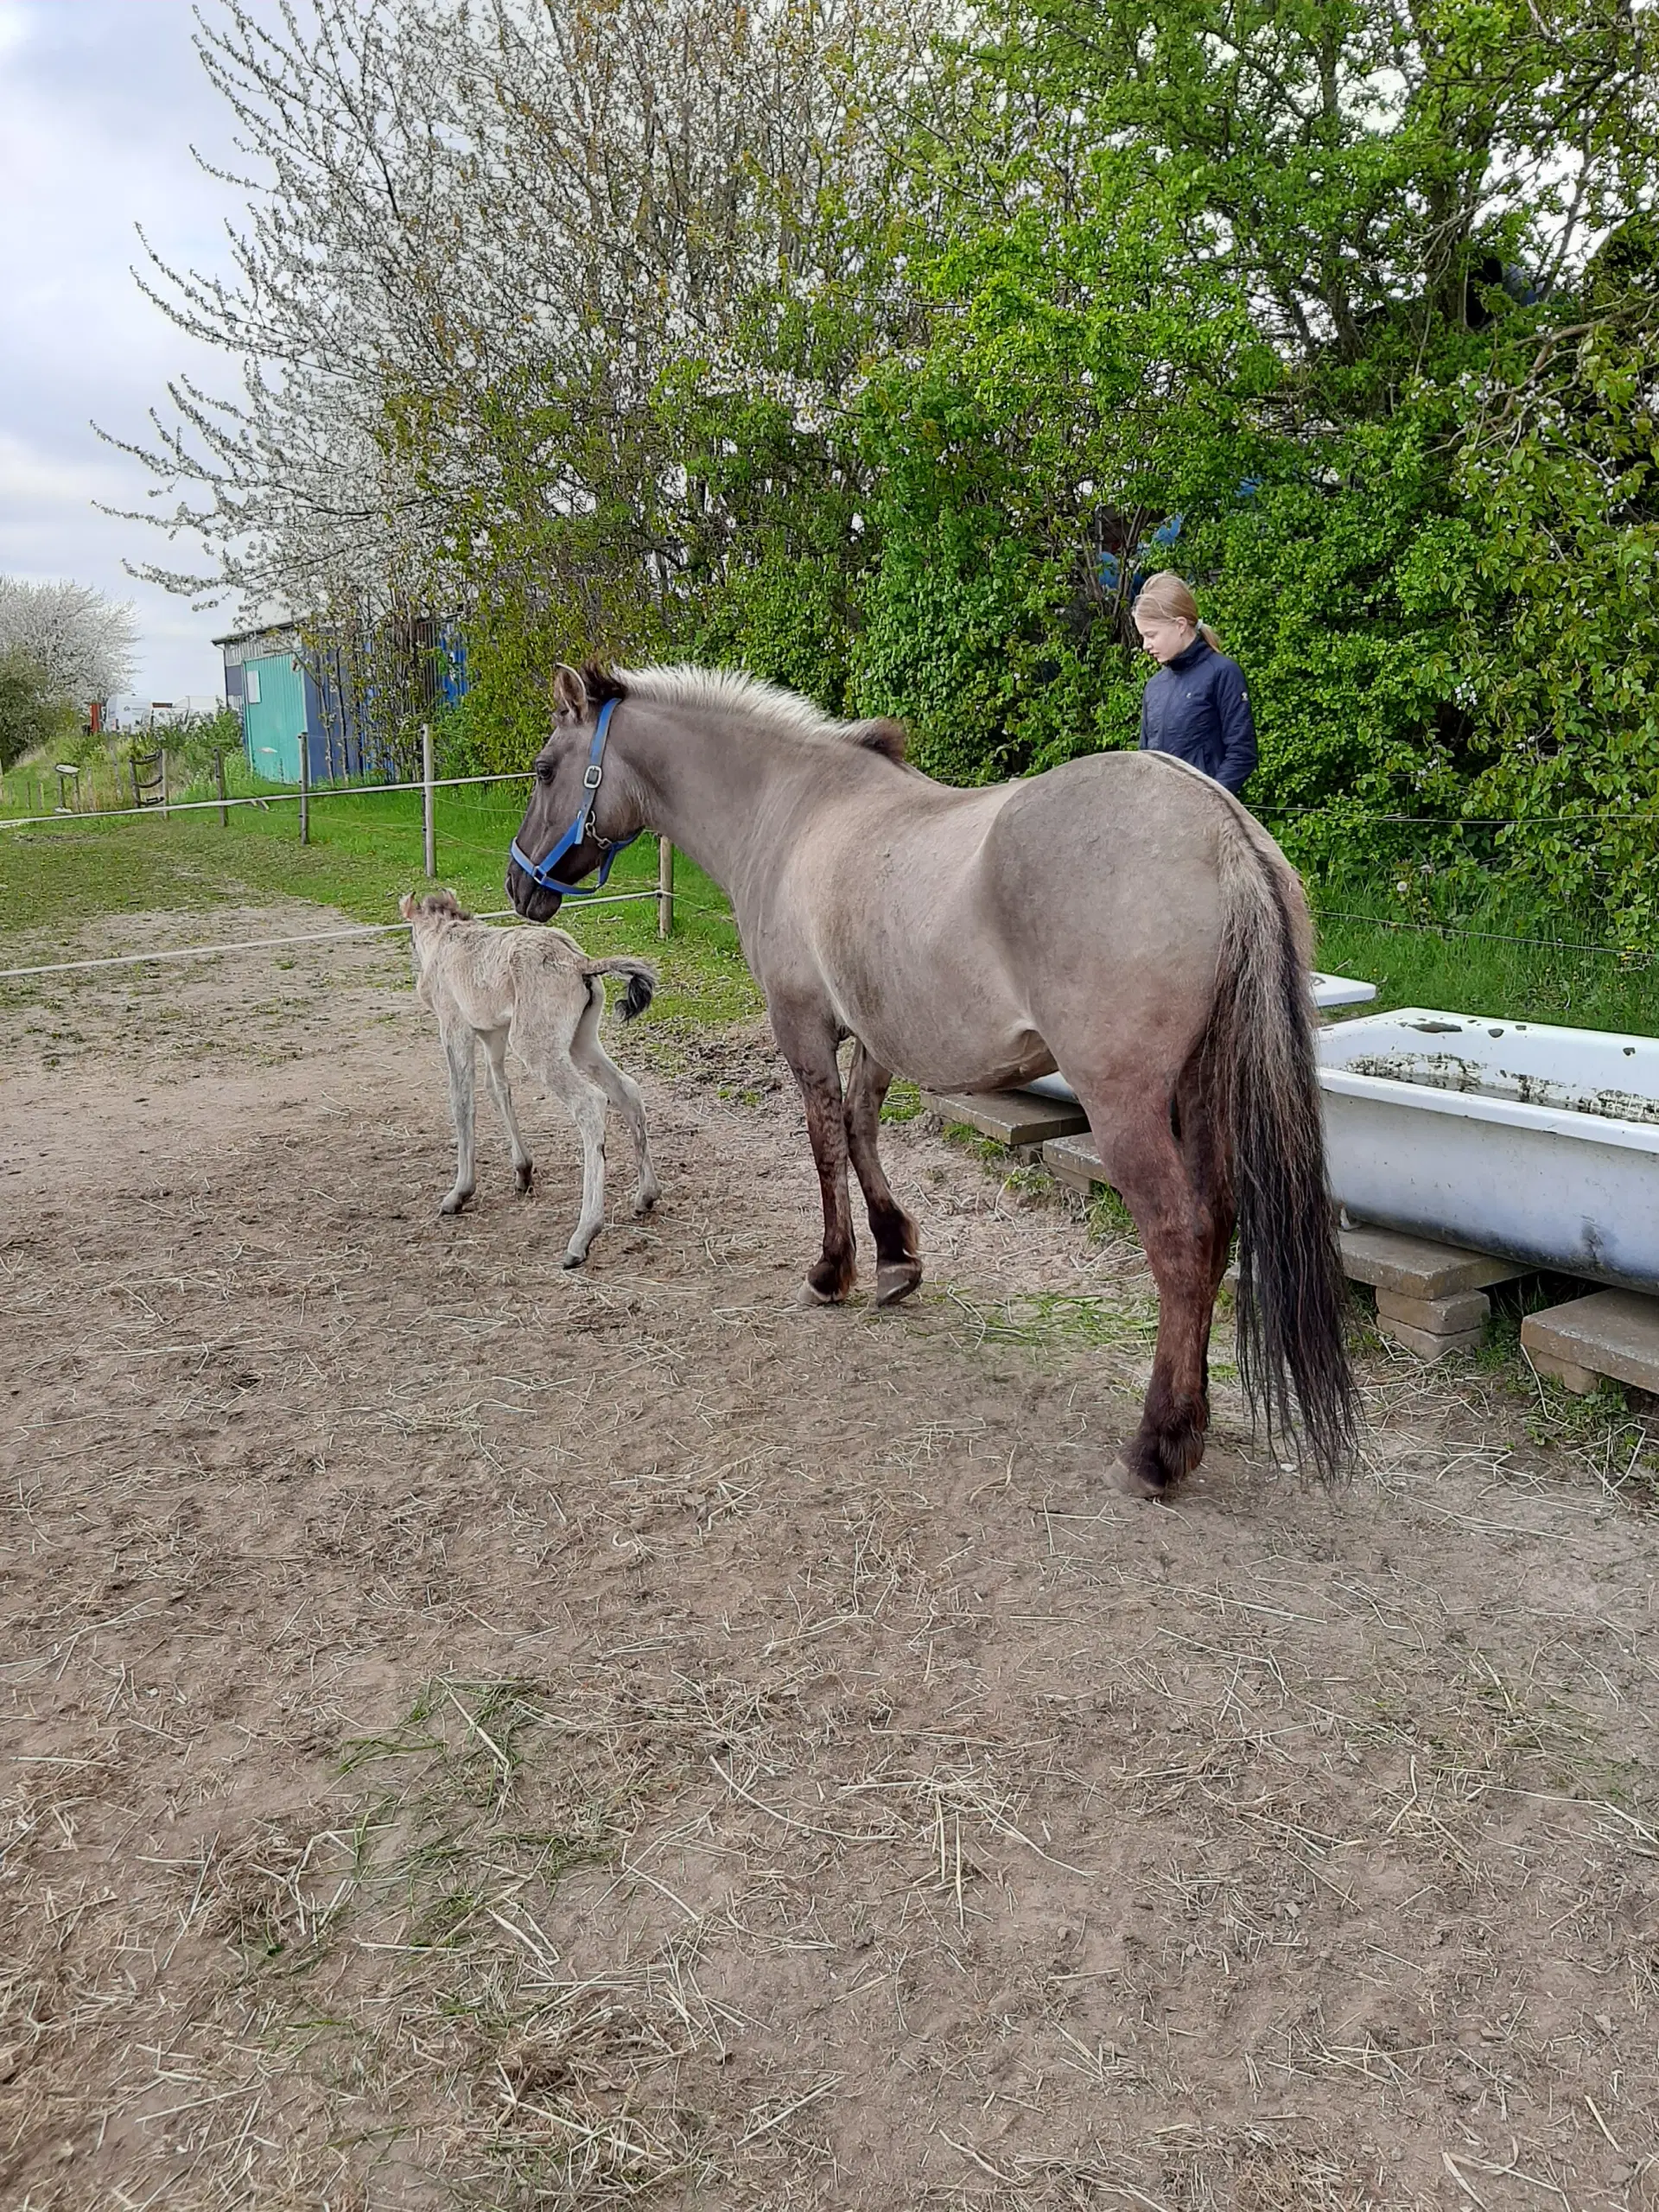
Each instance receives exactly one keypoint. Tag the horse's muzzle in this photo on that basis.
(535, 901)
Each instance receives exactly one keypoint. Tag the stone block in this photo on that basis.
(1424, 1341)
(1436, 1317)
(1564, 1371)
(1613, 1332)
(1414, 1267)
(1074, 1161)
(1013, 1117)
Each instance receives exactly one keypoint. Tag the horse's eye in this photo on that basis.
(543, 776)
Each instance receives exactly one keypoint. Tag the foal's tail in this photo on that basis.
(1259, 1078)
(642, 981)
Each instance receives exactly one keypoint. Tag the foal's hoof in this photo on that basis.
(455, 1201)
(574, 1260)
(644, 1203)
(524, 1179)
(896, 1282)
(1135, 1484)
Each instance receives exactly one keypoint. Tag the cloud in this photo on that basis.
(100, 102)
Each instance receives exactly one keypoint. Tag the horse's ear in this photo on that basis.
(569, 695)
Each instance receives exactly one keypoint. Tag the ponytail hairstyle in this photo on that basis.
(1166, 595)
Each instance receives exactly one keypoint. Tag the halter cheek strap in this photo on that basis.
(541, 872)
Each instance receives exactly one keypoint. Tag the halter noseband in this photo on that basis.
(541, 872)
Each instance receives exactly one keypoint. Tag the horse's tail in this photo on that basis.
(1259, 1077)
(642, 981)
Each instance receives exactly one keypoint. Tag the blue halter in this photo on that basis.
(541, 872)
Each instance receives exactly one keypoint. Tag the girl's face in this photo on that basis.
(1164, 635)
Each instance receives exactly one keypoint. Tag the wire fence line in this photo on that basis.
(1631, 953)
(1339, 820)
(67, 815)
(429, 786)
(228, 945)
(225, 947)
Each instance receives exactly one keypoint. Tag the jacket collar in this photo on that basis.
(1190, 656)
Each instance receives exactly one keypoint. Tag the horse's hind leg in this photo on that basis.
(1203, 1156)
(543, 1033)
(807, 1040)
(1179, 1233)
(898, 1261)
(585, 1104)
(624, 1094)
(458, 1041)
(495, 1054)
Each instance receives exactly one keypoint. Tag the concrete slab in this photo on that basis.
(1414, 1267)
(1427, 1343)
(1074, 1161)
(1011, 1116)
(1613, 1332)
(1436, 1317)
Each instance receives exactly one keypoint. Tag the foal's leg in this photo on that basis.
(458, 1040)
(624, 1094)
(1179, 1232)
(542, 1038)
(808, 1042)
(495, 1050)
(585, 1104)
(899, 1266)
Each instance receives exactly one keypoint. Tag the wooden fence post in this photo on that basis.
(219, 777)
(428, 816)
(305, 788)
(665, 887)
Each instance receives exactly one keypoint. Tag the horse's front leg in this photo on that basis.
(458, 1052)
(899, 1265)
(808, 1043)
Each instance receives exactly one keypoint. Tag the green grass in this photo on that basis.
(1473, 974)
(365, 852)
(1059, 1320)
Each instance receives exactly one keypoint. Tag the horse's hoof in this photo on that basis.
(1136, 1485)
(645, 1202)
(524, 1179)
(808, 1294)
(574, 1260)
(453, 1203)
(892, 1284)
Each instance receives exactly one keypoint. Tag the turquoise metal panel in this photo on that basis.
(274, 722)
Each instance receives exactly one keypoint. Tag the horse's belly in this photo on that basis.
(949, 1036)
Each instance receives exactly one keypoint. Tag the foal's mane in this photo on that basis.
(731, 692)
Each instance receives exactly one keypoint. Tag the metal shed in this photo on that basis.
(283, 705)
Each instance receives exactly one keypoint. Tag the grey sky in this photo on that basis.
(100, 101)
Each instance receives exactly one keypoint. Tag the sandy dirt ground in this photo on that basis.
(478, 1735)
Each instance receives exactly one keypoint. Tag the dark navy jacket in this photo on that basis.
(1197, 707)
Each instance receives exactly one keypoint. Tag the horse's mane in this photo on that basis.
(734, 693)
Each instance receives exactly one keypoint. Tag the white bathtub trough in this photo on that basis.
(1537, 1143)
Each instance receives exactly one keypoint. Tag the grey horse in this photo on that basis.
(1121, 918)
